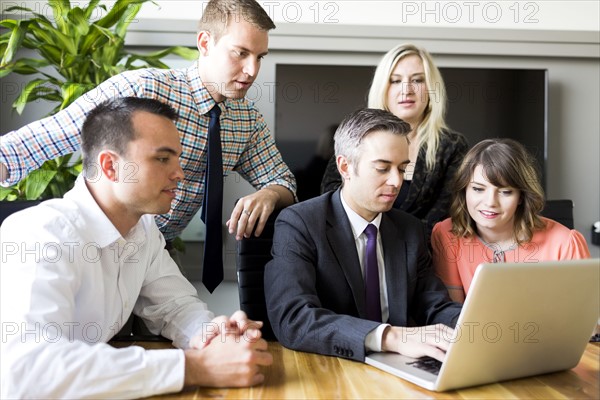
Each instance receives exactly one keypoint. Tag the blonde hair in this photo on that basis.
(430, 128)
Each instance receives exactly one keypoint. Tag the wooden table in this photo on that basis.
(301, 375)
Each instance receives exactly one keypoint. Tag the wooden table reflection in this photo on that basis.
(301, 375)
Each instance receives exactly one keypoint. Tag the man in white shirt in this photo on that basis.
(74, 269)
(350, 274)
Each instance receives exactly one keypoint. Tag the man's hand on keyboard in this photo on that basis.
(430, 340)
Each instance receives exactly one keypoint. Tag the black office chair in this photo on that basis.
(560, 211)
(253, 254)
(10, 207)
(135, 330)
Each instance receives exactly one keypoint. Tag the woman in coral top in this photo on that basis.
(495, 217)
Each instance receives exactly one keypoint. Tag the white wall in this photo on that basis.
(555, 15)
(501, 14)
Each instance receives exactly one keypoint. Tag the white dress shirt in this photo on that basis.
(69, 281)
(358, 224)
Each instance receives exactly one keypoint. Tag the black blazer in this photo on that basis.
(314, 287)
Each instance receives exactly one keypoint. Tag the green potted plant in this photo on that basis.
(74, 54)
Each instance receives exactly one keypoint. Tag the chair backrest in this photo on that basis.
(10, 207)
(253, 254)
(560, 211)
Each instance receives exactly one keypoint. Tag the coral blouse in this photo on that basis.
(455, 259)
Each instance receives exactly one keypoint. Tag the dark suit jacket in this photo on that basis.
(314, 287)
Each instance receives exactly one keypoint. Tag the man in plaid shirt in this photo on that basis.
(232, 41)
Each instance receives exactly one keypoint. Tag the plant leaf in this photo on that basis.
(77, 19)
(181, 51)
(51, 53)
(16, 38)
(20, 102)
(154, 59)
(71, 91)
(6, 191)
(119, 9)
(95, 38)
(9, 23)
(36, 183)
(9, 10)
(73, 55)
(91, 7)
(27, 66)
(75, 169)
(126, 19)
(42, 93)
(61, 40)
(60, 9)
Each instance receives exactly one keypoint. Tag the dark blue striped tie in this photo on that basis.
(212, 206)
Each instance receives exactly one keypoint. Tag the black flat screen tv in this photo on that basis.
(482, 103)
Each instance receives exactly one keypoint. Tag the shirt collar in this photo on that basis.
(202, 98)
(357, 222)
(99, 229)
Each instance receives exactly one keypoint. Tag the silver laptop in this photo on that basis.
(518, 320)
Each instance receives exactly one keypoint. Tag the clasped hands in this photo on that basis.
(227, 354)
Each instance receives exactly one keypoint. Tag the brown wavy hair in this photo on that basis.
(506, 163)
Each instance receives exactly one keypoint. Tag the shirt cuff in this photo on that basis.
(374, 338)
(13, 172)
(165, 371)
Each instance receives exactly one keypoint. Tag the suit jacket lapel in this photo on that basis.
(341, 240)
(396, 277)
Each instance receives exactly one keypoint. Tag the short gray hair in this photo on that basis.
(356, 126)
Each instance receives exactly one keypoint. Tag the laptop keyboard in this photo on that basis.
(428, 364)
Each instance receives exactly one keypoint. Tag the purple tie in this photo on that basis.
(372, 275)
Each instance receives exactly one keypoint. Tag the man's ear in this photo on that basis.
(343, 166)
(203, 42)
(108, 162)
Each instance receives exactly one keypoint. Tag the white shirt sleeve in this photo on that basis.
(48, 351)
(64, 296)
(168, 302)
(78, 370)
(374, 338)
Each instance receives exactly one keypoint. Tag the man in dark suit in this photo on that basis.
(321, 293)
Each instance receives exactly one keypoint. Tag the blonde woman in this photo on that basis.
(408, 84)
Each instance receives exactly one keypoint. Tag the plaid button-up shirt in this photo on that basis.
(247, 145)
